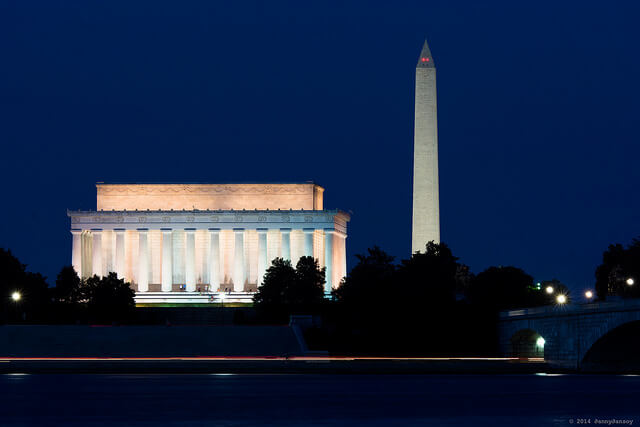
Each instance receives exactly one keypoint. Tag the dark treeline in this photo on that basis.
(27, 298)
(429, 304)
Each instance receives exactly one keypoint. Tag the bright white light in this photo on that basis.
(540, 342)
(16, 296)
(588, 294)
(561, 299)
(549, 289)
(630, 281)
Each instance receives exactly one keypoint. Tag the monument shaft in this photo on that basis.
(426, 204)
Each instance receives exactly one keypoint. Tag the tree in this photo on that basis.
(405, 309)
(503, 288)
(430, 277)
(286, 290)
(371, 279)
(68, 288)
(308, 289)
(32, 288)
(279, 277)
(109, 299)
(619, 264)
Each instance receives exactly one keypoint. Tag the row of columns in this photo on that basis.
(238, 275)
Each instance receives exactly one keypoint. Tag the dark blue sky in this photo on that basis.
(538, 116)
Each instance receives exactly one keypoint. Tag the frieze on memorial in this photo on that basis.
(164, 218)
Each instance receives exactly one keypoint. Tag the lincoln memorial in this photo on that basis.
(186, 243)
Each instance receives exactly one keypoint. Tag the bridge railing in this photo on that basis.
(618, 305)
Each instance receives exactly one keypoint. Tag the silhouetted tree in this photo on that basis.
(32, 287)
(286, 290)
(618, 265)
(430, 276)
(308, 289)
(68, 287)
(503, 288)
(370, 280)
(406, 309)
(109, 299)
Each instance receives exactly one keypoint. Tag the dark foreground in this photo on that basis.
(316, 400)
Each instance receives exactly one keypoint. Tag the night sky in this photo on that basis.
(538, 109)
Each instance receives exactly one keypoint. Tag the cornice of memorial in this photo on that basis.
(206, 216)
(218, 189)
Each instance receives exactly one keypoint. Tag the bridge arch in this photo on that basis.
(592, 330)
(620, 345)
(527, 343)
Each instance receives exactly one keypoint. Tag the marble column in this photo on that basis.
(286, 243)
(214, 260)
(143, 260)
(308, 241)
(107, 252)
(167, 259)
(190, 260)
(238, 260)
(76, 250)
(342, 262)
(262, 254)
(96, 256)
(87, 261)
(328, 259)
(119, 252)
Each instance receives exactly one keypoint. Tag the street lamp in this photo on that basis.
(16, 296)
(561, 299)
(630, 281)
(549, 289)
(588, 294)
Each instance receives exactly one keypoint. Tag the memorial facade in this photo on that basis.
(205, 242)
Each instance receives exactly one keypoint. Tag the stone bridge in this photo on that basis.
(562, 334)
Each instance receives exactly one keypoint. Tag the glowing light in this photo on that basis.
(16, 296)
(549, 289)
(425, 59)
(561, 299)
(630, 281)
(540, 342)
(588, 294)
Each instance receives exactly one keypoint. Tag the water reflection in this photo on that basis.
(319, 400)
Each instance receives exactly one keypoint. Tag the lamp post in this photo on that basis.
(16, 296)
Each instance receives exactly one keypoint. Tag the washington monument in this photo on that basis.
(426, 205)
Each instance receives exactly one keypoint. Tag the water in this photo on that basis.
(316, 400)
